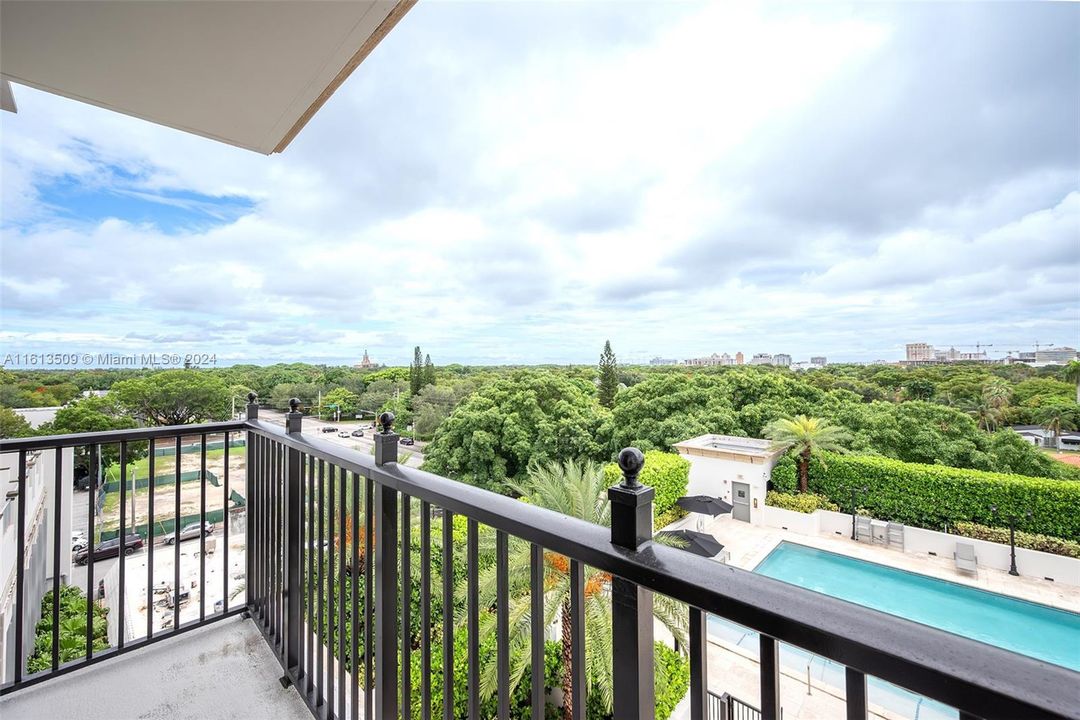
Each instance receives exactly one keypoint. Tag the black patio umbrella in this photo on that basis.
(696, 542)
(704, 504)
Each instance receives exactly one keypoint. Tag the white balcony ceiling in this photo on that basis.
(249, 73)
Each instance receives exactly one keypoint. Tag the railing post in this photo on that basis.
(631, 605)
(699, 666)
(855, 701)
(386, 441)
(292, 593)
(251, 463)
(769, 670)
(386, 578)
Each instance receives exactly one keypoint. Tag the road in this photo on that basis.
(413, 454)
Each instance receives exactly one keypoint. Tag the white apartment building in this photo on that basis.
(38, 538)
(920, 352)
(762, 359)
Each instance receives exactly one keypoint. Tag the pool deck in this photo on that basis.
(733, 670)
(749, 544)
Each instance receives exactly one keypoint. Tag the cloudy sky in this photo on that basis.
(517, 182)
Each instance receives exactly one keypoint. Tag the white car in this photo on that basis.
(78, 541)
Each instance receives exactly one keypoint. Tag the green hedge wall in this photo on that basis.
(666, 473)
(799, 502)
(1031, 541)
(937, 497)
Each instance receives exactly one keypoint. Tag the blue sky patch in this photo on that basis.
(172, 211)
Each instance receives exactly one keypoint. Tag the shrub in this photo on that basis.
(936, 496)
(1031, 541)
(666, 473)
(785, 475)
(72, 635)
(800, 502)
(671, 680)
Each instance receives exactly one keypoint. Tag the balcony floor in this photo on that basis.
(224, 670)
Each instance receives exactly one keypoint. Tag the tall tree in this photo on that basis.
(174, 397)
(429, 371)
(13, 425)
(416, 370)
(1057, 418)
(609, 376)
(1072, 374)
(805, 436)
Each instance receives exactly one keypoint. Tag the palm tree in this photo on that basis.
(986, 414)
(1072, 374)
(1058, 417)
(996, 393)
(805, 436)
(577, 489)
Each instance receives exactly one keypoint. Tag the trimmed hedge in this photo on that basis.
(937, 497)
(1031, 541)
(799, 502)
(666, 473)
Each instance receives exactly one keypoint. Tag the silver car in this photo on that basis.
(190, 531)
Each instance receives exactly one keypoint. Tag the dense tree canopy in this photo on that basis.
(525, 417)
(954, 414)
(174, 397)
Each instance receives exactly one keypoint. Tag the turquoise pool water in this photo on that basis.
(1024, 627)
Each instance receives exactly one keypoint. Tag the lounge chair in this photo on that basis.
(964, 555)
(863, 531)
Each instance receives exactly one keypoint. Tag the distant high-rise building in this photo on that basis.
(1055, 356)
(819, 360)
(782, 359)
(761, 359)
(739, 358)
(663, 361)
(920, 352)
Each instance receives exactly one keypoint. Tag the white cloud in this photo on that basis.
(516, 183)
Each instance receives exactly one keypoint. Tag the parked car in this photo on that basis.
(343, 434)
(78, 541)
(407, 441)
(191, 530)
(358, 433)
(329, 429)
(110, 549)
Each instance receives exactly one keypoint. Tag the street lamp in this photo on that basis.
(1011, 519)
(853, 491)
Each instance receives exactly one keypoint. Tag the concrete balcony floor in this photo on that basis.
(224, 670)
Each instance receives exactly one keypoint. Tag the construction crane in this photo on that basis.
(978, 346)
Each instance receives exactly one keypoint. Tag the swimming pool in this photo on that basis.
(1024, 627)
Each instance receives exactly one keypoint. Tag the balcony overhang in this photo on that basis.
(250, 73)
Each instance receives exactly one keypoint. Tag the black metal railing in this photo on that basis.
(729, 707)
(331, 580)
(78, 458)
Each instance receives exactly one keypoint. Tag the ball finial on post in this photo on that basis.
(386, 420)
(294, 418)
(631, 460)
(252, 397)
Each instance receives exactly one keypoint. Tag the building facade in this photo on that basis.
(734, 469)
(39, 535)
(919, 352)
